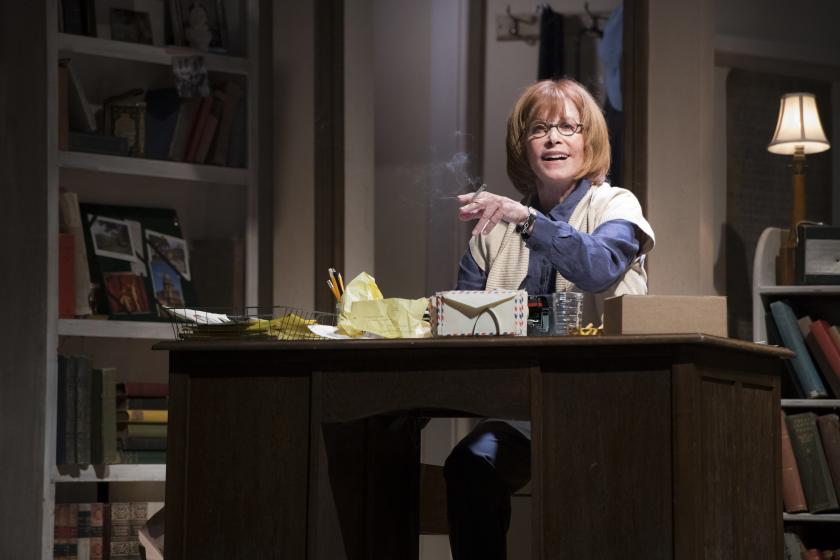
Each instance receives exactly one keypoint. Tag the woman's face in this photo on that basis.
(556, 159)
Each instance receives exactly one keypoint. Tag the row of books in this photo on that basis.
(810, 462)
(156, 123)
(101, 421)
(795, 549)
(815, 370)
(98, 531)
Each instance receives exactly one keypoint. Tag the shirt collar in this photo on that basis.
(563, 211)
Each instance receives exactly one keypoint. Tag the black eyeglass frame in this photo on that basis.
(571, 129)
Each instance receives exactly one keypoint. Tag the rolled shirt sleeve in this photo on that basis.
(593, 262)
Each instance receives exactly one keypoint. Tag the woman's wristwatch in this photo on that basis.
(524, 227)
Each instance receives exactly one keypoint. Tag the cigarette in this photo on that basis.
(478, 191)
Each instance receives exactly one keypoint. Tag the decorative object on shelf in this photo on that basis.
(134, 21)
(190, 76)
(798, 132)
(128, 120)
(204, 24)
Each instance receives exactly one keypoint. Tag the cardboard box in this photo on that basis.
(487, 313)
(665, 315)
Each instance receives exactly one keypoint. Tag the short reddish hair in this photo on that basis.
(547, 99)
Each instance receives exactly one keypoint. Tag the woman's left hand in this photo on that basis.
(489, 209)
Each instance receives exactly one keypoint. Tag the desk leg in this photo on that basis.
(364, 490)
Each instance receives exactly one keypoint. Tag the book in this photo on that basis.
(220, 149)
(73, 534)
(792, 493)
(197, 128)
(97, 531)
(144, 403)
(71, 222)
(142, 430)
(128, 120)
(143, 416)
(83, 531)
(211, 124)
(61, 531)
(84, 377)
(803, 368)
(143, 389)
(143, 457)
(69, 393)
(810, 458)
(826, 353)
(97, 449)
(121, 540)
(829, 428)
(162, 109)
(183, 126)
(66, 276)
(109, 415)
(142, 443)
(61, 413)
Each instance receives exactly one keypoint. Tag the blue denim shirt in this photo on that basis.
(593, 262)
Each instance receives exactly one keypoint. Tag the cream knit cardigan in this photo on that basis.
(503, 255)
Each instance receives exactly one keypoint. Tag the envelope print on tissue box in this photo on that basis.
(491, 312)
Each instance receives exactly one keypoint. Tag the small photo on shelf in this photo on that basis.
(112, 238)
(166, 283)
(126, 293)
(133, 21)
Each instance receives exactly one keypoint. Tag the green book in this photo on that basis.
(810, 458)
(143, 430)
(108, 418)
(84, 377)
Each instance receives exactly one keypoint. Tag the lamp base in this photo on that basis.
(786, 266)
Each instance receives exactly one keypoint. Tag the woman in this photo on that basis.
(572, 232)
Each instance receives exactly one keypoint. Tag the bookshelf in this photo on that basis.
(210, 201)
(820, 302)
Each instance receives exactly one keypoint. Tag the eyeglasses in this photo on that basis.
(538, 129)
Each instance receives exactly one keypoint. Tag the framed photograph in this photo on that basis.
(172, 250)
(112, 238)
(166, 283)
(204, 23)
(126, 293)
(135, 21)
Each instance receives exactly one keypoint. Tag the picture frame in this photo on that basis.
(126, 293)
(136, 21)
(172, 250)
(112, 238)
(166, 283)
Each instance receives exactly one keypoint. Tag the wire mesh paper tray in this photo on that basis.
(282, 323)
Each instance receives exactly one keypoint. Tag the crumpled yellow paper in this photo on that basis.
(363, 309)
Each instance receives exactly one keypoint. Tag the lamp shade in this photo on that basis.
(798, 125)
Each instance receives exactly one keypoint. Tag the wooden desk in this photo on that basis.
(649, 447)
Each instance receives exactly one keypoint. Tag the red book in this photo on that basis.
(826, 353)
(792, 494)
(66, 276)
(211, 123)
(198, 127)
(142, 389)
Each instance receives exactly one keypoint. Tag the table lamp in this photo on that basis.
(798, 132)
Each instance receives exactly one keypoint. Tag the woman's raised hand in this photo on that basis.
(490, 209)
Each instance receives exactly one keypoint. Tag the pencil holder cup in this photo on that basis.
(565, 312)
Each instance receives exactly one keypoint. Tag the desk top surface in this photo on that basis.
(480, 342)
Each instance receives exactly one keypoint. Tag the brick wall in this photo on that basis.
(759, 183)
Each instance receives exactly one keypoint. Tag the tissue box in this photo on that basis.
(629, 314)
(492, 312)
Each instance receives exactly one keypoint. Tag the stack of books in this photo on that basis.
(142, 415)
(101, 530)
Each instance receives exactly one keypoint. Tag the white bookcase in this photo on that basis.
(822, 302)
(212, 202)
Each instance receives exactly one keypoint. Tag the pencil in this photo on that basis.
(334, 290)
(341, 283)
(331, 272)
